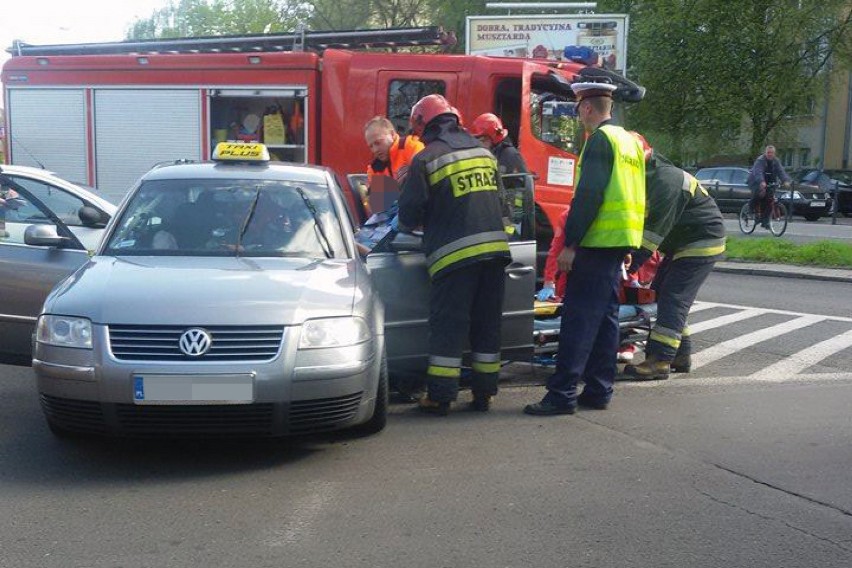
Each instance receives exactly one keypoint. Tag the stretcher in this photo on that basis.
(634, 323)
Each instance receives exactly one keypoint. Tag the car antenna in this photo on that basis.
(25, 149)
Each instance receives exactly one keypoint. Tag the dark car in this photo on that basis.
(830, 181)
(728, 185)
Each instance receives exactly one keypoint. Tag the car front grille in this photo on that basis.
(162, 343)
(229, 420)
(74, 415)
(323, 413)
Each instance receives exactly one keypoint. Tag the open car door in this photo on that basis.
(398, 272)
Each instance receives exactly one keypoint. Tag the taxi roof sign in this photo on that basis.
(241, 152)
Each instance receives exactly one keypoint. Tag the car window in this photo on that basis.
(228, 217)
(17, 212)
(63, 204)
(705, 174)
(739, 177)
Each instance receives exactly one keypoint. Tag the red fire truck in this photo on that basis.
(103, 114)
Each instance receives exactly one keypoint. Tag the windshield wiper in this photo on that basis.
(326, 244)
(247, 220)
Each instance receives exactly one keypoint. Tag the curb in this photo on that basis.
(802, 273)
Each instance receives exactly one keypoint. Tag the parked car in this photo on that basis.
(830, 181)
(47, 227)
(729, 187)
(230, 298)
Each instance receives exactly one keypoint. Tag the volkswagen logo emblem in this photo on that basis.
(195, 342)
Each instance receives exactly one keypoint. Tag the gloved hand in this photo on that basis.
(639, 258)
(547, 292)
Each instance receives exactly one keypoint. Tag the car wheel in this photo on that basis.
(379, 420)
(813, 216)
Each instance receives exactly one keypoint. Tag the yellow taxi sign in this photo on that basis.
(241, 152)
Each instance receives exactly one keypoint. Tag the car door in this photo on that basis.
(740, 192)
(27, 272)
(401, 279)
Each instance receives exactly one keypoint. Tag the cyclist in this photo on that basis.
(765, 174)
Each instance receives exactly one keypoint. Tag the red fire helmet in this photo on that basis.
(428, 108)
(489, 125)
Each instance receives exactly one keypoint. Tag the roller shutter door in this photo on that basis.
(49, 126)
(138, 128)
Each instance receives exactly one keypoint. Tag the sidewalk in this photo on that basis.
(785, 271)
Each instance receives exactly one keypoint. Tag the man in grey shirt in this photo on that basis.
(765, 173)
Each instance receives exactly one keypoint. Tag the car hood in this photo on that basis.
(207, 291)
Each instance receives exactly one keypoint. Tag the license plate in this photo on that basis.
(817, 203)
(193, 389)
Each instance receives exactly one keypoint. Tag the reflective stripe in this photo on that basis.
(479, 367)
(463, 242)
(685, 332)
(486, 357)
(651, 240)
(466, 253)
(703, 248)
(445, 361)
(444, 372)
(671, 342)
(442, 161)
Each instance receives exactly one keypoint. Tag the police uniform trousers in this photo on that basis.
(677, 283)
(465, 305)
(588, 335)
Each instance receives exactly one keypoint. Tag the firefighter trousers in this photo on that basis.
(465, 305)
(588, 334)
(677, 284)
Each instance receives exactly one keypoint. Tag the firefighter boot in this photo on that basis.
(480, 403)
(652, 368)
(682, 361)
(429, 406)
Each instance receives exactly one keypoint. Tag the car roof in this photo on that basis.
(231, 170)
(47, 176)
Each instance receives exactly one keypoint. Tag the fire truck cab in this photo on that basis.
(104, 114)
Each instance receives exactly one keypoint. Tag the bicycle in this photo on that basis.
(777, 218)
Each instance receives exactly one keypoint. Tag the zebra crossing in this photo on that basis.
(734, 344)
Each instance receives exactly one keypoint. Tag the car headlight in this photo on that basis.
(64, 331)
(783, 195)
(333, 332)
(797, 195)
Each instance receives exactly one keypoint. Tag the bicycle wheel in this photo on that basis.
(747, 220)
(778, 219)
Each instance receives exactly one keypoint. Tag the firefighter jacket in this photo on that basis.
(454, 192)
(682, 220)
(400, 154)
(509, 159)
(618, 168)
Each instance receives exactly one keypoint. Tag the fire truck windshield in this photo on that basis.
(554, 121)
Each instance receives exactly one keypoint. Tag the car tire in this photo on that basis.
(379, 419)
(813, 216)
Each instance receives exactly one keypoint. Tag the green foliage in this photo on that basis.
(819, 253)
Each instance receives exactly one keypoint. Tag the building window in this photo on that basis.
(804, 157)
(786, 157)
(402, 94)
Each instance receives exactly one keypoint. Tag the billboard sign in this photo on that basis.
(603, 36)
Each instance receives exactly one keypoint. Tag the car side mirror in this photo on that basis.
(43, 236)
(91, 217)
(407, 242)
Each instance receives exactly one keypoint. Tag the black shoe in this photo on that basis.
(431, 407)
(548, 409)
(589, 402)
(681, 364)
(480, 404)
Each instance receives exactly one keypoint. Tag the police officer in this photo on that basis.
(604, 223)
(685, 224)
(453, 191)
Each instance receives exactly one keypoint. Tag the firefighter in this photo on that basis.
(453, 191)
(685, 224)
(392, 153)
(488, 129)
(603, 225)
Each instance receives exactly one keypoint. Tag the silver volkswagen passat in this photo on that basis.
(226, 298)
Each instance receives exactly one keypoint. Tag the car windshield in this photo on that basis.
(226, 217)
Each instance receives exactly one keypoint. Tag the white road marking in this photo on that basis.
(725, 320)
(719, 350)
(807, 357)
(699, 306)
(705, 305)
(679, 380)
